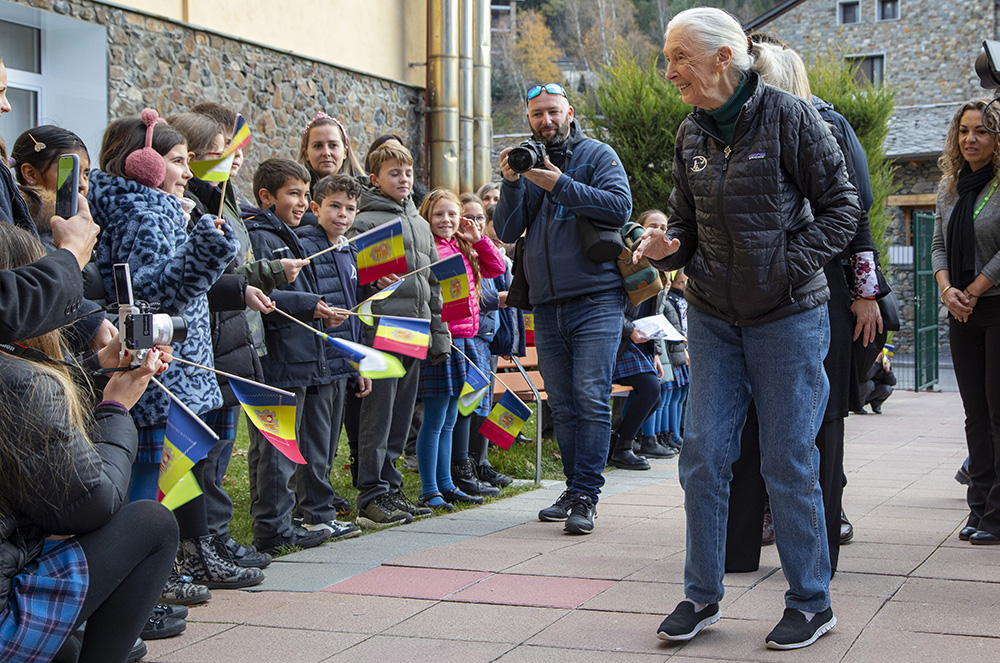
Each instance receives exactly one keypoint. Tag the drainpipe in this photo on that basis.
(465, 94)
(483, 124)
(442, 93)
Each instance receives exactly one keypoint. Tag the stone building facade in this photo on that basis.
(172, 66)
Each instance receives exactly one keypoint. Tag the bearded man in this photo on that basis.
(559, 202)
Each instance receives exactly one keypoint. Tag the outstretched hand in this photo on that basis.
(655, 245)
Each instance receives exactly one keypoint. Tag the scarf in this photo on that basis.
(961, 245)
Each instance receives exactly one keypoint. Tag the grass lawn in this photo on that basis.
(517, 462)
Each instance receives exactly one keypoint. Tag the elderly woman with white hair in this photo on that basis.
(746, 163)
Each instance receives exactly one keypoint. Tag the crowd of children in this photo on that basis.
(255, 305)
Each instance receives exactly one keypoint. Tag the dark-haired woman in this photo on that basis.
(966, 257)
(70, 549)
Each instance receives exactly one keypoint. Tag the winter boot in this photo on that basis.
(200, 559)
(650, 448)
(463, 473)
(623, 457)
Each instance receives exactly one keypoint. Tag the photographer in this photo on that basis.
(558, 202)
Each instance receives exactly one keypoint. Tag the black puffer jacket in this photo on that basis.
(752, 249)
(76, 485)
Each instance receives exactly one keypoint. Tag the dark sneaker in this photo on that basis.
(794, 632)
(182, 590)
(581, 515)
(138, 651)
(492, 476)
(559, 510)
(458, 497)
(246, 556)
(342, 505)
(962, 476)
(425, 503)
(400, 499)
(175, 611)
(338, 530)
(160, 626)
(466, 479)
(382, 512)
(300, 537)
(685, 622)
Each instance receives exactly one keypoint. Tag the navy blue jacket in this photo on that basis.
(337, 281)
(295, 357)
(593, 184)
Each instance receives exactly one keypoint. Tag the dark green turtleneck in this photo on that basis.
(726, 115)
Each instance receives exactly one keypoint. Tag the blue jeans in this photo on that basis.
(780, 365)
(577, 341)
(434, 444)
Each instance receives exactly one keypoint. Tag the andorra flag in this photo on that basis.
(272, 411)
(475, 387)
(186, 441)
(380, 252)
(529, 327)
(368, 362)
(365, 307)
(450, 273)
(506, 420)
(407, 336)
(185, 490)
(218, 168)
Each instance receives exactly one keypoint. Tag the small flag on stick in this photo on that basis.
(217, 169)
(368, 362)
(407, 336)
(529, 327)
(505, 420)
(186, 441)
(475, 387)
(380, 252)
(272, 411)
(185, 490)
(365, 307)
(450, 273)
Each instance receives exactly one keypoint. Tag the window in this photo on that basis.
(57, 73)
(887, 9)
(871, 68)
(23, 59)
(849, 12)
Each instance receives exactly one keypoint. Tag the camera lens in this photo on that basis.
(168, 329)
(521, 159)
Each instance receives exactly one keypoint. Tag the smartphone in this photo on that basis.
(67, 185)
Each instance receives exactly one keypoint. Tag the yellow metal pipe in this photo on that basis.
(482, 111)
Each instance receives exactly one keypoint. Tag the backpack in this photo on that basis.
(641, 280)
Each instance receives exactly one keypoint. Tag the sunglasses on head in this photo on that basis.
(551, 88)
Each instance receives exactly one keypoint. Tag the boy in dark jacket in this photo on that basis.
(335, 202)
(381, 438)
(295, 360)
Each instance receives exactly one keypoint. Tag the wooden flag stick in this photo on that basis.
(473, 364)
(185, 407)
(330, 248)
(234, 377)
(372, 298)
(222, 198)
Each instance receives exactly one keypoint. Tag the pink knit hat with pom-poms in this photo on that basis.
(145, 165)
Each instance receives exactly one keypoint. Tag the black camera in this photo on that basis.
(529, 154)
(139, 328)
(987, 64)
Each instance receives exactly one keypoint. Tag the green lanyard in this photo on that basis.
(979, 208)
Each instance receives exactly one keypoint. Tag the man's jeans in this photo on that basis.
(780, 365)
(577, 342)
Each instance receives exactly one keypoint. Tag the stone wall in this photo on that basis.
(172, 67)
(929, 51)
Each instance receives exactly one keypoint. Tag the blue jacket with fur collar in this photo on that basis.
(146, 228)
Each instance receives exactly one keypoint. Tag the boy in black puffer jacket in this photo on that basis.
(335, 202)
(295, 360)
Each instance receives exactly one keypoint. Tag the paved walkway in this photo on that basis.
(494, 584)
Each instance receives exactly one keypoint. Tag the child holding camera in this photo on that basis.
(137, 196)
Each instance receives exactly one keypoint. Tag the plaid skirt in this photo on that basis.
(681, 375)
(45, 601)
(632, 362)
(447, 378)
